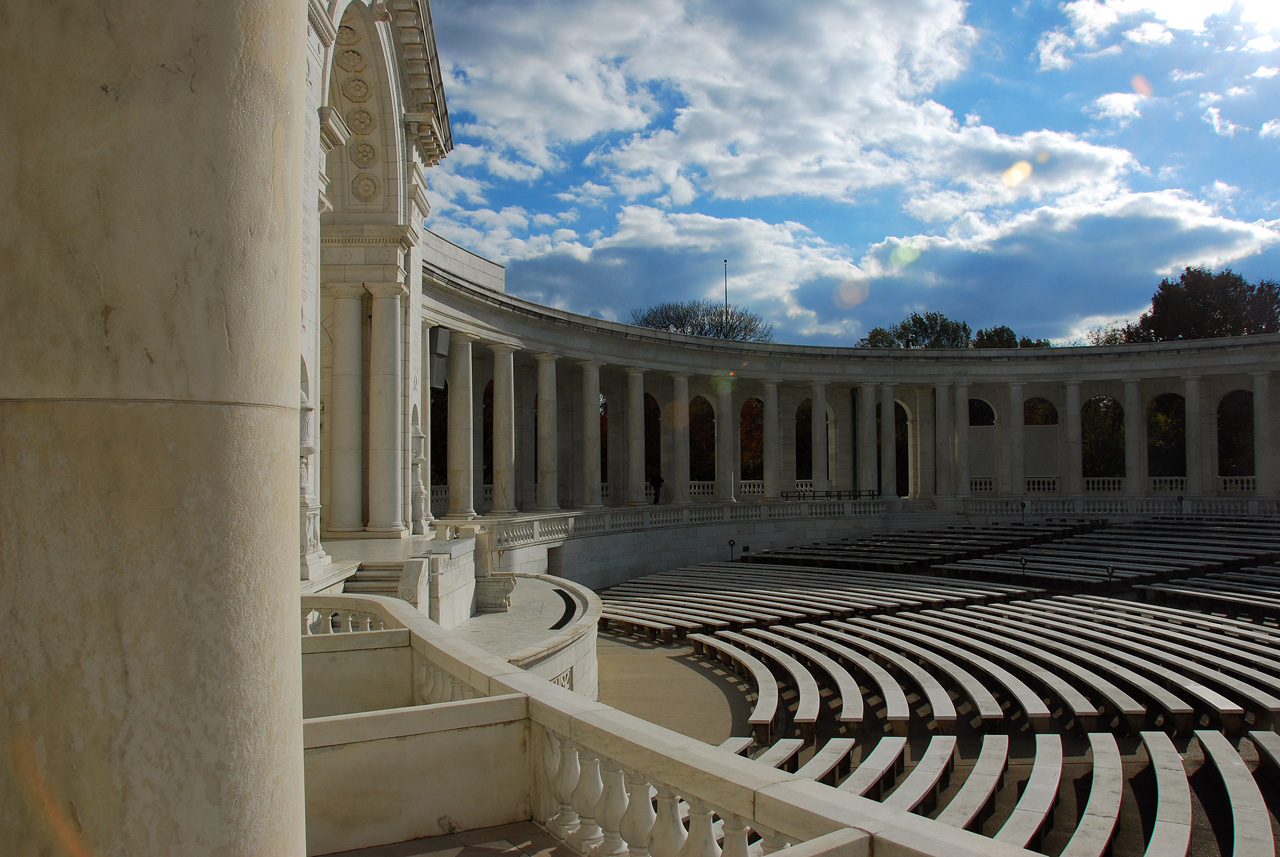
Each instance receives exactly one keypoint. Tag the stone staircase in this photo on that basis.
(375, 578)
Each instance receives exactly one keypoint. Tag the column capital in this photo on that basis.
(1190, 377)
(588, 364)
(499, 347)
(635, 370)
(546, 357)
(816, 384)
(462, 336)
(1265, 373)
(1072, 383)
(679, 376)
(1016, 385)
(387, 290)
(773, 382)
(344, 290)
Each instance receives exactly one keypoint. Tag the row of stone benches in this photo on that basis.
(1251, 591)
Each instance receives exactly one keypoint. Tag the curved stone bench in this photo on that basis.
(830, 763)
(766, 708)
(930, 775)
(630, 622)
(1250, 820)
(878, 770)
(897, 712)
(806, 686)
(1101, 816)
(976, 797)
(781, 754)
(1034, 810)
(1171, 832)
(851, 707)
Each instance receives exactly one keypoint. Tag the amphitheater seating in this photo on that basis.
(878, 769)
(919, 790)
(970, 805)
(737, 745)
(766, 709)
(806, 716)
(851, 707)
(1251, 823)
(1171, 833)
(1101, 814)
(830, 763)
(781, 754)
(1034, 810)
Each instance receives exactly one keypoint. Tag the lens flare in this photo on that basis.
(1042, 157)
(1017, 174)
(850, 293)
(1142, 86)
(903, 255)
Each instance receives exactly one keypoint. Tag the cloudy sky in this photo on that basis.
(1035, 163)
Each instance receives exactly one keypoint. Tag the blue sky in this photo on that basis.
(1035, 163)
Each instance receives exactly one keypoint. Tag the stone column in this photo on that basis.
(772, 444)
(461, 445)
(680, 418)
(1074, 464)
(152, 247)
(504, 430)
(944, 434)
(888, 450)
(346, 458)
(386, 464)
(1017, 449)
(1134, 483)
(818, 434)
(1195, 447)
(590, 434)
(960, 416)
(1262, 455)
(635, 436)
(726, 433)
(548, 435)
(867, 437)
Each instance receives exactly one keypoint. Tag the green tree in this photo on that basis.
(1203, 304)
(930, 330)
(705, 318)
(1003, 336)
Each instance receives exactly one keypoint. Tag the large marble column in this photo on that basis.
(548, 435)
(635, 436)
(867, 453)
(590, 434)
(1072, 450)
(680, 418)
(888, 443)
(726, 434)
(504, 430)
(1194, 423)
(772, 445)
(152, 246)
(818, 434)
(960, 416)
(346, 426)
(461, 445)
(1134, 482)
(1263, 459)
(945, 434)
(1017, 448)
(386, 455)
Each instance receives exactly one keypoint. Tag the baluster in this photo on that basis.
(566, 820)
(610, 809)
(455, 689)
(668, 836)
(585, 798)
(735, 835)
(702, 836)
(771, 840)
(637, 821)
(550, 767)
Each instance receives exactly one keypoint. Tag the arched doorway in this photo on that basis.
(1167, 443)
(1235, 441)
(804, 440)
(1102, 445)
(702, 449)
(1040, 445)
(982, 447)
(751, 448)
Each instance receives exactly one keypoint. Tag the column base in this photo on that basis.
(463, 515)
(503, 513)
(389, 531)
(342, 528)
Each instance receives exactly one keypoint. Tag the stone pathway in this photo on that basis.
(522, 839)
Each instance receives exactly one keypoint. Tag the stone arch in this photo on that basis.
(901, 449)
(366, 175)
(982, 444)
(702, 440)
(1167, 442)
(1102, 438)
(751, 439)
(1040, 438)
(1038, 411)
(1235, 434)
(652, 437)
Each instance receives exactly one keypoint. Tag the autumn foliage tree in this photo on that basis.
(705, 318)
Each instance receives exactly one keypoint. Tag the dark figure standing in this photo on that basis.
(656, 481)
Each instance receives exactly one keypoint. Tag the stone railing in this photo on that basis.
(804, 485)
(1042, 485)
(702, 489)
(525, 748)
(1167, 484)
(751, 488)
(538, 530)
(982, 485)
(1005, 507)
(1103, 484)
(1237, 484)
(322, 615)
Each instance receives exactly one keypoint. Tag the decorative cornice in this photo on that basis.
(369, 236)
(318, 18)
(426, 113)
(333, 129)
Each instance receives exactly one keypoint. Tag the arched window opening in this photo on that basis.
(751, 438)
(702, 440)
(980, 413)
(1102, 438)
(1235, 434)
(652, 438)
(1038, 412)
(1167, 437)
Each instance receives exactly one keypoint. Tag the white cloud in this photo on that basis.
(1262, 44)
(1121, 106)
(1053, 49)
(1222, 127)
(1150, 33)
(1270, 128)
(1265, 71)
(1178, 75)
(1238, 91)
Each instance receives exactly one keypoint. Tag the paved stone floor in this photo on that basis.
(535, 607)
(522, 839)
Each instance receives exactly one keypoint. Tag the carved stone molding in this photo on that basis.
(493, 593)
(318, 18)
(333, 130)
